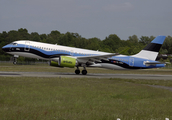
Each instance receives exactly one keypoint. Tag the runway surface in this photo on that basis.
(90, 75)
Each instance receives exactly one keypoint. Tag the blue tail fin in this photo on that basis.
(152, 49)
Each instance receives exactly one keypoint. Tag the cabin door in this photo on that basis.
(131, 61)
(27, 46)
(71, 52)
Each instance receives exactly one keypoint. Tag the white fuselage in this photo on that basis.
(84, 57)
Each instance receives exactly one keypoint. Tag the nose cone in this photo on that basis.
(5, 48)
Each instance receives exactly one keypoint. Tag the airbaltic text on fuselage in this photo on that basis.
(67, 62)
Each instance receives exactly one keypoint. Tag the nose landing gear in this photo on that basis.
(15, 59)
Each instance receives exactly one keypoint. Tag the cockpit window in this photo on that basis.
(14, 43)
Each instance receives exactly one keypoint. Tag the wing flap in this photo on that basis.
(95, 58)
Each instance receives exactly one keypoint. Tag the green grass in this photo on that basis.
(167, 83)
(26, 98)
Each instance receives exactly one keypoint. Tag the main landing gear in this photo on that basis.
(77, 71)
(84, 71)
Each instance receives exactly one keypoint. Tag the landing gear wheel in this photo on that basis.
(84, 72)
(15, 61)
(77, 72)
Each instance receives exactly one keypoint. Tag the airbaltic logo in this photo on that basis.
(66, 61)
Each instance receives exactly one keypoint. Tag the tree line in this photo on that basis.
(111, 43)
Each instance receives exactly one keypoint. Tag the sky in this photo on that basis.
(89, 18)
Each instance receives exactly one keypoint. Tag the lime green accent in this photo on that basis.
(55, 64)
(67, 62)
(64, 62)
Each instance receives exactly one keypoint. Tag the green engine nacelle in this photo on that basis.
(55, 64)
(64, 62)
(67, 61)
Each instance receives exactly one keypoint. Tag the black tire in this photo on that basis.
(77, 72)
(84, 72)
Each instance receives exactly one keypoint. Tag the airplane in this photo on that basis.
(63, 56)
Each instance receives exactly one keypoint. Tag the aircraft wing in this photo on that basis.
(95, 58)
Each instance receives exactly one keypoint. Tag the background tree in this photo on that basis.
(133, 39)
(112, 43)
(35, 37)
(23, 34)
(146, 40)
(53, 37)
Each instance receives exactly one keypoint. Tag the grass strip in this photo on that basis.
(82, 98)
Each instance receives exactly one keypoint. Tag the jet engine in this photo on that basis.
(64, 61)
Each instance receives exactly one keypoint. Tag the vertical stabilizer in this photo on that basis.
(152, 49)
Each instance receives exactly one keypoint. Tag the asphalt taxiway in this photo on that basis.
(89, 75)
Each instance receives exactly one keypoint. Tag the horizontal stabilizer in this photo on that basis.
(147, 63)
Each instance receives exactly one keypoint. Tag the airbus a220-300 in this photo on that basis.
(63, 56)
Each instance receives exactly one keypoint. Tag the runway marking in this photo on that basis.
(8, 74)
(90, 75)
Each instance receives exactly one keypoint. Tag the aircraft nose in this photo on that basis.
(5, 48)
